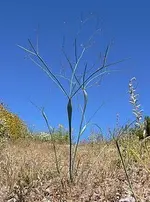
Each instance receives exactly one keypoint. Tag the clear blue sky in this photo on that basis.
(126, 22)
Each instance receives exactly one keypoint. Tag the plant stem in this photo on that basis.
(124, 167)
(69, 110)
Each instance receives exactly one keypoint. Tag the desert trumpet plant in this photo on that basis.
(89, 76)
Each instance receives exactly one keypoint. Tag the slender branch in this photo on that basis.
(81, 125)
(75, 50)
(44, 63)
(93, 74)
(71, 66)
(51, 133)
(124, 167)
(74, 70)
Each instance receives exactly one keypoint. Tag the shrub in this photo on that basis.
(59, 135)
(146, 126)
(10, 124)
(141, 132)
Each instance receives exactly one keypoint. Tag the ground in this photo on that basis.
(28, 172)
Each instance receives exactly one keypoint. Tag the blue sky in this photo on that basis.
(124, 22)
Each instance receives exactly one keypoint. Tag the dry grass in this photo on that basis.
(28, 173)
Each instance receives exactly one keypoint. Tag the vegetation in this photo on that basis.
(106, 170)
(11, 126)
(60, 136)
(28, 172)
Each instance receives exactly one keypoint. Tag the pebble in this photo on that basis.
(127, 199)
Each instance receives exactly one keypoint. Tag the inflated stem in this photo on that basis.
(69, 111)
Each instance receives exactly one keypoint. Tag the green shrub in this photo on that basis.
(10, 124)
(143, 131)
(147, 126)
(59, 135)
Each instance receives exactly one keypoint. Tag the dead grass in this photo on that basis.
(28, 172)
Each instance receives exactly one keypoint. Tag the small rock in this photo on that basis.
(45, 200)
(12, 200)
(127, 199)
